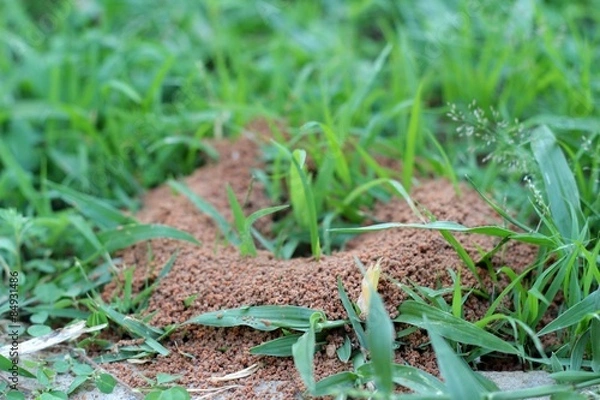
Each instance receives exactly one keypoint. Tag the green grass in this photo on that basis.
(102, 100)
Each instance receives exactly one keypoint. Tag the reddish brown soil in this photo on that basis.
(224, 279)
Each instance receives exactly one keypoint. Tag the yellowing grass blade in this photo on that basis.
(370, 280)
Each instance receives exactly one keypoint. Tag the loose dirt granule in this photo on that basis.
(223, 279)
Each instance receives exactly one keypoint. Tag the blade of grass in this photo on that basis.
(410, 148)
(396, 186)
(145, 331)
(497, 208)
(302, 197)
(207, 209)
(380, 339)
(574, 315)
(335, 384)
(264, 318)
(460, 382)
(531, 238)
(303, 352)
(280, 347)
(24, 180)
(559, 182)
(355, 320)
(246, 243)
(409, 377)
(451, 327)
(125, 236)
(335, 150)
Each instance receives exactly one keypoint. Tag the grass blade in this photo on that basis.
(531, 238)
(263, 318)
(561, 188)
(409, 377)
(574, 315)
(450, 327)
(149, 333)
(247, 244)
(334, 384)
(24, 180)
(341, 165)
(102, 213)
(412, 134)
(396, 186)
(207, 209)
(303, 352)
(380, 339)
(302, 197)
(280, 347)
(355, 320)
(461, 383)
(6, 365)
(122, 237)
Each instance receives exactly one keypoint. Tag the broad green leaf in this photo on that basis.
(53, 395)
(77, 382)
(264, 318)
(162, 378)
(532, 238)
(450, 327)
(575, 314)
(125, 236)
(280, 347)
(38, 330)
(48, 293)
(14, 395)
(106, 383)
(82, 369)
(561, 189)
(174, 393)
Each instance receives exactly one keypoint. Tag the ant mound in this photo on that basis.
(220, 278)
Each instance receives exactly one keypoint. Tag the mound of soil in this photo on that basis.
(223, 279)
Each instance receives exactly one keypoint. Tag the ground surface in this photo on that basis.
(224, 279)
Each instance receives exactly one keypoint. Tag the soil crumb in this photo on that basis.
(221, 278)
